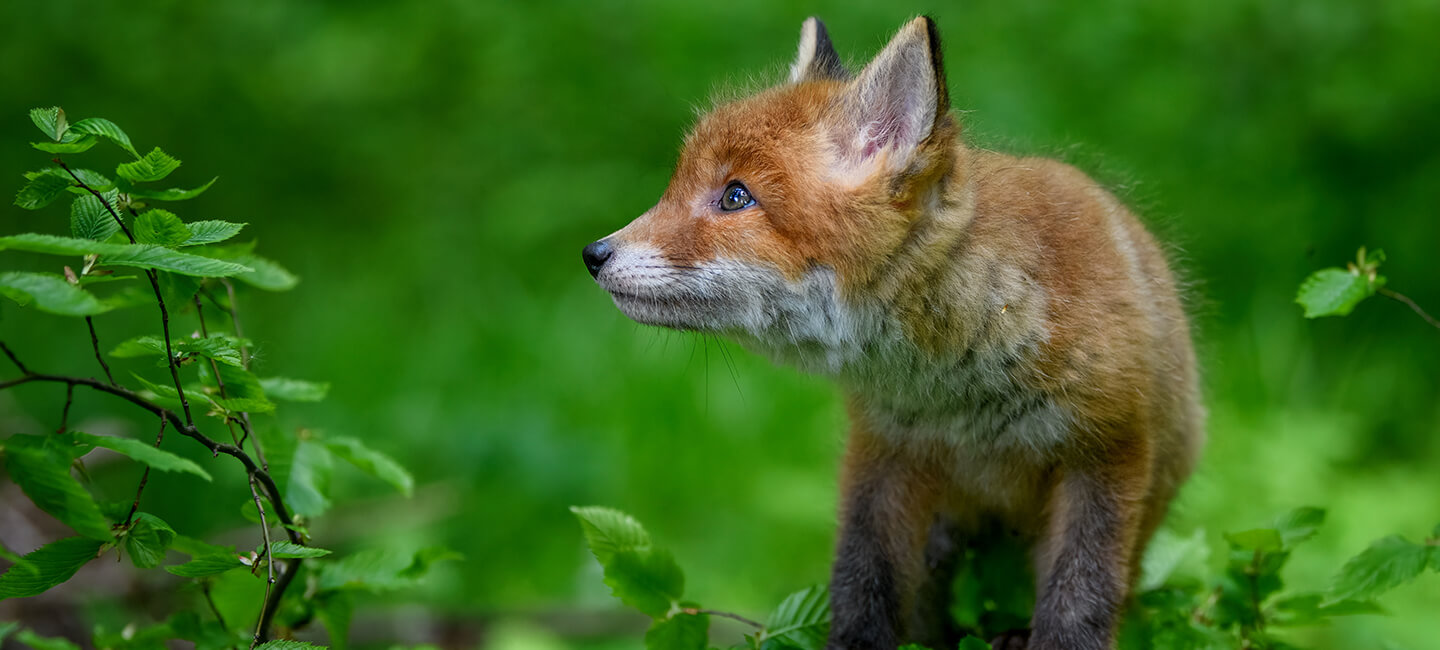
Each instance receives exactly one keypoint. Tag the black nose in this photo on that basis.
(595, 256)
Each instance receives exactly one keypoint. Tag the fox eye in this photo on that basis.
(736, 197)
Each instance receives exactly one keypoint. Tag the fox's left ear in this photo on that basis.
(817, 58)
(897, 101)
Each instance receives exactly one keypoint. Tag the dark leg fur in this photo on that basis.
(931, 624)
(864, 596)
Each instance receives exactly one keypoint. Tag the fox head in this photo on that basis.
(786, 209)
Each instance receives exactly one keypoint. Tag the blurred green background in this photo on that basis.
(432, 169)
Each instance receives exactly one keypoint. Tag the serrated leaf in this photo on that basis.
(41, 190)
(1333, 292)
(802, 619)
(147, 540)
(50, 293)
(287, 645)
(48, 566)
(371, 462)
(90, 220)
(50, 121)
(1264, 540)
(284, 550)
(42, 471)
(243, 405)
(172, 194)
(209, 232)
(106, 129)
(679, 632)
(294, 390)
(78, 145)
(151, 167)
(1168, 552)
(1307, 609)
(207, 565)
(91, 178)
(138, 255)
(609, 531)
(146, 454)
(1387, 563)
(164, 259)
(160, 227)
(141, 346)
(1299, 525)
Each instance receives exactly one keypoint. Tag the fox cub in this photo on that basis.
(1010, 342)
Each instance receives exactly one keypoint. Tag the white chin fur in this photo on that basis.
(801, 323)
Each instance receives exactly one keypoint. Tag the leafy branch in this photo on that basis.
(1335, 291)
(111, 226)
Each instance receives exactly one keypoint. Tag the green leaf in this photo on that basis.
(90, 220)
(1308, 609)
(371, 462)
(648, 580)
(1334, 292)
(1167, 553)
(973, 643)
(292, 550)
(105, 129)
(335, 609)
(1299, 525)
(50, 293)
(1387, 563)
(6, 628)
(207, 565)
(172, 194)
(309, 485)
(42, 189)
(164, 259)
(802, 619)
(295, 390)
(427, 557)
(42, 470)
(151, 167)
(287, 645)
(1264, 540)
(608, 531)
(91, 178)
(377, 570)
(147, 540)
(679, 632)
(50, 121)
(209, 232)
(141, 346)
(160, 227)
(242, 405)
(265, 274)
(36, 642)
(48, 566)
(149, 455)
(139, 255)
(80, 144)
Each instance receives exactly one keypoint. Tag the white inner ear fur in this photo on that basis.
(889, 109)
(809, 38)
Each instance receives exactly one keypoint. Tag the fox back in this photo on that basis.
(1009, 338)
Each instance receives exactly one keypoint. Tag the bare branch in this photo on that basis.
(145, 477)
(13, 359)
(65, 411)
(95, 343)
(1395, 295)
(693, 611)
(261, 622)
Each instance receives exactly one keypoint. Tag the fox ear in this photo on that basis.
(898, 99)
(817, 58)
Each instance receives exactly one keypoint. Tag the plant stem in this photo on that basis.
(693, 611)
(1395, 295)
(65, 411)
(95, 343)
(261, 622)
(145, 477)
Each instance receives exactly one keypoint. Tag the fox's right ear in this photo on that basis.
(817, 58)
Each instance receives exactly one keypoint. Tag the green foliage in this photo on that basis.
(50, 293)
(48, 566)
(1386, 564)
(210, 367)
(1335, 291)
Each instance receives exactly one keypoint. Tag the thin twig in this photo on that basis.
(693, 611)
(145, 477)
(65, 411)
(260, 622)
(98, 195)
(234, 312)
(13, 359)
(205, 589)
(95, 343)
(1395, 295)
